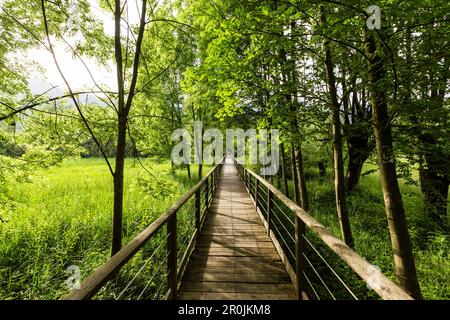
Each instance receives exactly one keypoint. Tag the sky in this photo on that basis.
(73, 68)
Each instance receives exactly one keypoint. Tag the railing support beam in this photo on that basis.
(206, 194)
(256, 191)
(172, 282)
(197, 209)
(269, 209)
(300, 245)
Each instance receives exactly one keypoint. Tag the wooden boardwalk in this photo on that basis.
(234, 258)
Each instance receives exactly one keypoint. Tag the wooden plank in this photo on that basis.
(235, 224)
(187, 295)
(235, 261)
(234, 252)
(240, 244)
(224, 238)
(278, 270)
(238, 277)
(234, 296)
(238, 233)
(272, 288)
(244, 227)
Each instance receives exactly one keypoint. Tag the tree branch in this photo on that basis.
(50, 47)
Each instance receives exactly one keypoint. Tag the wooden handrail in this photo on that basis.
(385, 288)
(92, 284)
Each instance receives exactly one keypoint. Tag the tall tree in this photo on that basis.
(339, 180)
(401, 244)
(124, 105)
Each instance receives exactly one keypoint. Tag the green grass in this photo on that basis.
(370, 230)
(63, 217)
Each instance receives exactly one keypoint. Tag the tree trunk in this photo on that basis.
(278, 179)
(339, 181)
(118, 185)
(283, 170)
(322, 168)
(200, 165)
(301, 179)
(358, 135)
(123, 110)
(434, 189)
(297, 198)
(188, 168)
(121, 138)
(354, 169)
(172, 125)
(200, 171)
(172, 167)
(401, 245)
(358, 153)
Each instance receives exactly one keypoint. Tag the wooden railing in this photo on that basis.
(296, 236)
(175, 260)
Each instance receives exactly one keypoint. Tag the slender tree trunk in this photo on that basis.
(172, 125)
(339, 180)
(322, 168)
(358, 153)
(200, 165)
(297, 198)
(354, 169)
(200, 171)
(123, 110)
(188, 168)
(301, 179)
(283, 170)
(401, 245)
(118, 184)
(356, 132)
(121, 138)
(278, 178)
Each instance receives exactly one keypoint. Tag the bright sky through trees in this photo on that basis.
(47, 76)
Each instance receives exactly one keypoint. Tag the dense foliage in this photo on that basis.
(363, 116)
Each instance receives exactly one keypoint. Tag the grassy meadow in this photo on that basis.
(370, 230)
(63, 216)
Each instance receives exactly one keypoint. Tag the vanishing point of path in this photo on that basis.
(234, 258)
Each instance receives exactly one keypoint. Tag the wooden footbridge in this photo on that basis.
(235, 236)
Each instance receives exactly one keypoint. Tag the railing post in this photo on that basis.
(197, 209)
(269, 209)
(213, 178)
(172, 281)
(256, 191)
(206, 193)
(245, 177)
(300, 244)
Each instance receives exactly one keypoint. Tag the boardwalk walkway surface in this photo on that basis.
(234, 258)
